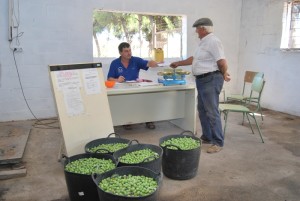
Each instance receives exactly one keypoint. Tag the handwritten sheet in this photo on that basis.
(91, 81)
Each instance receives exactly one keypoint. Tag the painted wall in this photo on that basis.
(260, 36)
(60, 32)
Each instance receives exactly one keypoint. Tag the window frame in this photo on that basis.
(288, 29)
(154, 37)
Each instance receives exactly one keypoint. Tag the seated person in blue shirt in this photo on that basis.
(127, 68)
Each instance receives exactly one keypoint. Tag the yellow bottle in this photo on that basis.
(158, 55)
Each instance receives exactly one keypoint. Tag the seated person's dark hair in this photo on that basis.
(123, 45)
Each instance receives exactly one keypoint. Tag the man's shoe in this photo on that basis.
(150, 125)
(127, 127)
(205, 141)
(214, 149)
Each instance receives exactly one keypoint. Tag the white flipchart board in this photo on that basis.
(82, 104)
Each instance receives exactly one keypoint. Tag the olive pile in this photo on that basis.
(139, 156)
(184, 143)
(88, 166)
(129, 185)
(111, 147)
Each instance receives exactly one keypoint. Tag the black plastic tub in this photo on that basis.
(107, 140)
(154, 165)
(82, 187)
(180, 164)
(135, 171)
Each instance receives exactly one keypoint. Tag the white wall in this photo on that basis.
(260, 37)
(60, 32)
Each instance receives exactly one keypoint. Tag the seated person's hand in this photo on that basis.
(121, 79)
(152, 64)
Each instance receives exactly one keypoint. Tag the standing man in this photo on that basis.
(127, 68)
(209, 67)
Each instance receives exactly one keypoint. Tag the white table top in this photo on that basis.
(132, 89)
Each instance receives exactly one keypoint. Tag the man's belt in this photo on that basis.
(206, 74)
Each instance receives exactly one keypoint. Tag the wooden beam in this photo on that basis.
(9, 174)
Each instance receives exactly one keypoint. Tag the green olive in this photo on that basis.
(139, 156)
(129, 185)
(111, 147)
(87, 166)
(184, 143)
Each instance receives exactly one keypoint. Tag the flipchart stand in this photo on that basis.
(82, 104)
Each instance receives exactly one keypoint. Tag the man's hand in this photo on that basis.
(222, 65)
(174, 65)
(152, 63)
(226, 77)
(121, 79)
(185, 62)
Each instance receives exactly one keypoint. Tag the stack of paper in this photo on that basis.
(146, 84)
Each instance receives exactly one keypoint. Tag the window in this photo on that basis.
(142, 31)
(291, 26)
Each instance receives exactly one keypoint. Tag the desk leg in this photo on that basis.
(189, 121)
(62, 150)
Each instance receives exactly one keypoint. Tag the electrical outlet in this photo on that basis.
(18, 49)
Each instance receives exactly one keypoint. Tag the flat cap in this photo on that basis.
(203, 22)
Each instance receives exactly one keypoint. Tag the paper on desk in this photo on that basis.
(164, 64)
(146, 84)
(130, 81)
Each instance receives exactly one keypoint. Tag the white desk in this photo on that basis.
(154, 103)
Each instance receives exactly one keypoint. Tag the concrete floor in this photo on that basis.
(245, 170)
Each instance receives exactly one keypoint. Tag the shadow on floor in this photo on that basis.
(245, 169)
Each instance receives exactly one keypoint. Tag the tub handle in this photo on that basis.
(94, 177)
(148, 158)
(101, 149)
(66, 158)
(116, 135)
(172, 145)
(129, 143)
(190, 132)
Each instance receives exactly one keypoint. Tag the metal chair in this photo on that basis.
(248, 79)
(244, 98)
(257, 86)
